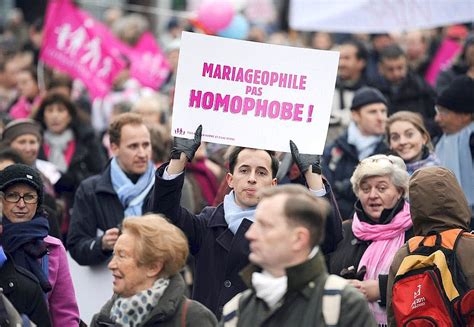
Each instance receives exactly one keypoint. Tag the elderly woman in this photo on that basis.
(25, 237)
(149, 291)
(380, 226)
(409, 139)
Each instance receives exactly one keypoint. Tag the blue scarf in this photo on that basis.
(429, 161)
(131, 195)
(3, 257)
(453, 153)
(365, 145)
(24, 242)
(234, 215)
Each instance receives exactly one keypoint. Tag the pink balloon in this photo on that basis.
(215, 15)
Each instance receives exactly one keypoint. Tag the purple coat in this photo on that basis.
(62, 298)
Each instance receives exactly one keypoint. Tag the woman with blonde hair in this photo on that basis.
(409, 139)
(380, 226)
(148, 288)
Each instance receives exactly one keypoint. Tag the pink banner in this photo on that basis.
(85, 48)
(442, 59)
(71, 43)
(149, 65)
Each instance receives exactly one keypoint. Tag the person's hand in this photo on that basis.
(305, 161)
(369, 288)
(357, 284)
(110, 238)
(188, 147)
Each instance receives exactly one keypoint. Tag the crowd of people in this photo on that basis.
(102, 180)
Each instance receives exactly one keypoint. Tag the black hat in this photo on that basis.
(459, 96)
(367, 95)
(22, 174)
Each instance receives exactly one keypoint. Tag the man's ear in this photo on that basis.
(274, 182)
(380, 68)
(302, 238)
(114, 148)
(230, 180)
(361, 64)
(355, 114)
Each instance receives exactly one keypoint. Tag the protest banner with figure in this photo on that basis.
(71, 45)
(148, 63)
(253, 94)
(87, 50)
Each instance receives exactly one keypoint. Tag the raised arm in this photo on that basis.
(310, 166)
(166, 194)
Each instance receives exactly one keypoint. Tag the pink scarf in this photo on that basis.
(23, 107)
(386, 240)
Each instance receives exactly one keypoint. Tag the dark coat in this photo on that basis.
(24, 292)
(413, 94)
(339, 161)
(88, 159)
(220, 255)
(169, 310)
(96, 207)
(350, 250)
(302, 303)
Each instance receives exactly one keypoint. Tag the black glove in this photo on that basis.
(305, 160)
(188, 147)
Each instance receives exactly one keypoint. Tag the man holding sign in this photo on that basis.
(216, 235)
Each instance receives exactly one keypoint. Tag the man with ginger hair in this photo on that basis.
(102, 201)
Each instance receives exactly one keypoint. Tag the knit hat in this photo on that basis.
(367, 95)
(20, 127)
(459, 96)
(22, 174)
(381, 165)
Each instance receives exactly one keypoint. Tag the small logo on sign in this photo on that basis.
(179, 131)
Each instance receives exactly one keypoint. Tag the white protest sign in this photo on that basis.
(253, 94)
(93, 287)
(377, 16)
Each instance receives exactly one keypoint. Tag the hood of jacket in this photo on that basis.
(437, 202)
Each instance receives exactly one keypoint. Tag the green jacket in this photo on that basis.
(168, 312)
(302, 303)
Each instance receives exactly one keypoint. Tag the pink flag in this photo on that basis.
(73, 43)
(442, 59)
(148, 63)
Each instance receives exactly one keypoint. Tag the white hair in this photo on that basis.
(381, 165)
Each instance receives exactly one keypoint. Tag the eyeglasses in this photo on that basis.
(14, 197)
